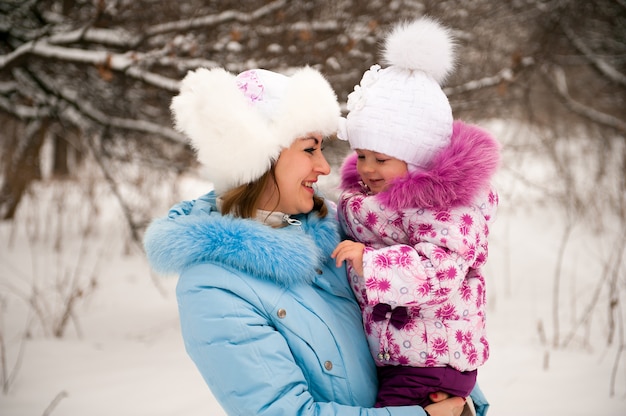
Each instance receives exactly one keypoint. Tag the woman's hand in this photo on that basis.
(352, 252)
(448, 407)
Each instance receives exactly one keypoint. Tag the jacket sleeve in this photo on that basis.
(246, 363)
(405, 275)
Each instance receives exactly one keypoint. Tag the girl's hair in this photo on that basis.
(242, 201)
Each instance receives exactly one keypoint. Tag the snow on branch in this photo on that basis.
(153, 79)
(8, 87)
(117, 62)
(506, 74)
(110, 37)
(87, 111)
(603, 66)
(143, 126)
(81, 116)
(182, 63)
(212, 20)
(23, 112)
(558, 81)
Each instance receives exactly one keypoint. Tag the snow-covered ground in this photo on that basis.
(121, 352)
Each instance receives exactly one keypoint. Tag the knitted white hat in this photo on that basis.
(401, 110)
(239, 124)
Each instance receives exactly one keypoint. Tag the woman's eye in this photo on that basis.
(310, 150)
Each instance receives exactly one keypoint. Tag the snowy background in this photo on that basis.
(117, 349)
(87, 328)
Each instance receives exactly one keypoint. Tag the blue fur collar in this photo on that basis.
(287, 256)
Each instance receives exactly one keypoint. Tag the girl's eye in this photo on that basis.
(310, 150)
(381, 160)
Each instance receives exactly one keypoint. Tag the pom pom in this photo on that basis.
(422, 44)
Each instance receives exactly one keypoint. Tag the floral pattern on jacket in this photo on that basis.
(425, 262)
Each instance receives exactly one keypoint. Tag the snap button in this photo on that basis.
(328, 365)
(319, 271)
(281, 313)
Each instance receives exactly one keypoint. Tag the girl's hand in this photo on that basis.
(352, 252)
(448, 407)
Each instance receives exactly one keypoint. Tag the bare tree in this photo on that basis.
(97, 76)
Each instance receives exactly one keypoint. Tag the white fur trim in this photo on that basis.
(309, 106)
(236, 141)
(422, 44)
(230, 138)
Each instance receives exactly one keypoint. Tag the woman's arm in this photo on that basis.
(246, 362)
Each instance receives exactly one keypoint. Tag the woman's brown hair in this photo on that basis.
(242, 201)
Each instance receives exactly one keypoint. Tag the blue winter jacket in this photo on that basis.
(268, 319)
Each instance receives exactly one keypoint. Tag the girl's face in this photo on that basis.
(377, 170)
(296, 171)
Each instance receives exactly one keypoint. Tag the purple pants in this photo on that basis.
(405, 386)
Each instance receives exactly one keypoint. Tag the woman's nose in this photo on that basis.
(322, 165)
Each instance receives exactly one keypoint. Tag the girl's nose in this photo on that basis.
(366, 166)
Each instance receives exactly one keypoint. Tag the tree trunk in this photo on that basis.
(60, 168)
(21, 168)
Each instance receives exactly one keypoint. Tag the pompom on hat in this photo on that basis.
(401, 110)
(238, 125)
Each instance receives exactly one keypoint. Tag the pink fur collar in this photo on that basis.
(456, 175)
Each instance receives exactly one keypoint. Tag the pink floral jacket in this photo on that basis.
(423, 294)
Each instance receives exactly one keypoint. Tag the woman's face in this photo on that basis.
(297, 169)
(377, 170)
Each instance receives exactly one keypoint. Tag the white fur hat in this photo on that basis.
(239, 124)
(401, 110)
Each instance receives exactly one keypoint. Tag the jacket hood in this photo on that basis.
(457, 174)
(286, 256)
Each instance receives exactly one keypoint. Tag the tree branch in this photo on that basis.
(212, 20)
(505, 74)
(603, 66)
(24, 112)
(110, 37)
(85, 109)
(117, 62)
(558, 82)
(80, 112)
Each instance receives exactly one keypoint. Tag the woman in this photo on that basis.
(269, 321)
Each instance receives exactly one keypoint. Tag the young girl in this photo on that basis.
(417, 201)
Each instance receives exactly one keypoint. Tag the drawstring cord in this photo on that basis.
(291, 221)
